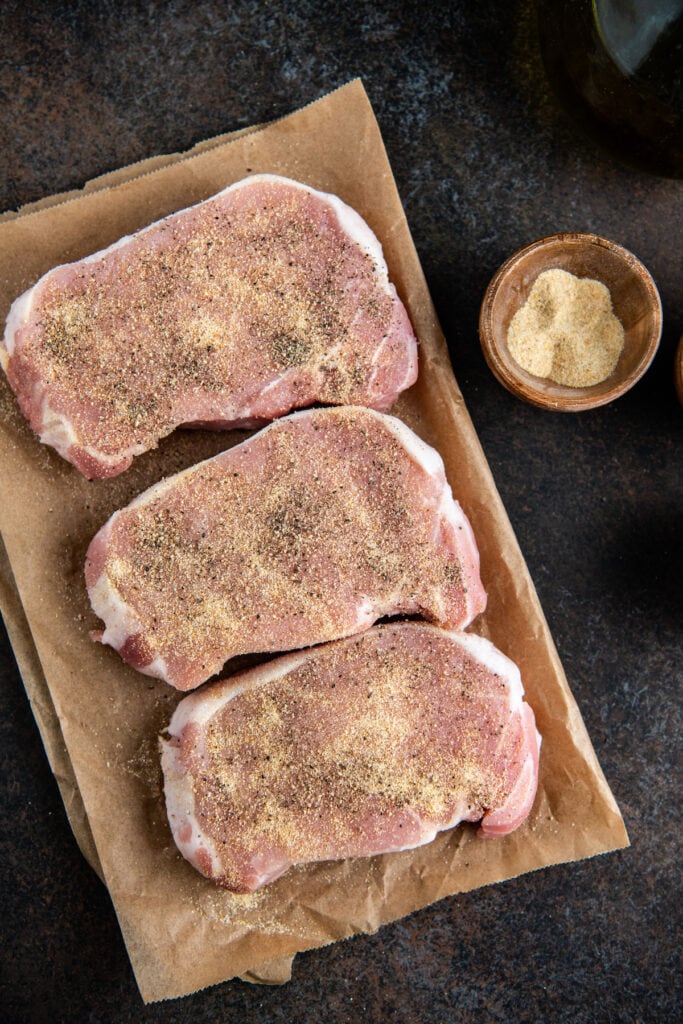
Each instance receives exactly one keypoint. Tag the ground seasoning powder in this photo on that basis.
(566, 330)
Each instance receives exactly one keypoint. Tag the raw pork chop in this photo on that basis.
(367, 745)
(311, 530)
(268, 297)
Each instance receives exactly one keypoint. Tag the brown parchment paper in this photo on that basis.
(183, 933)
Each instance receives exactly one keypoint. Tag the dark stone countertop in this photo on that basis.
(485, 162)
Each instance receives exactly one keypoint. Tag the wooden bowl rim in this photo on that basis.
(678, 370)
(523, 384)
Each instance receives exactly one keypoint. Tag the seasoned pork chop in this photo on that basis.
(367, 745)
(268, 297)
(311, 530)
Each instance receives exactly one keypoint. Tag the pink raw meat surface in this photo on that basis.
(268, 297)
(367, 745)
(311, 530)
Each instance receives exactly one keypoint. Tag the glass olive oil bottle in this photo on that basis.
(617, 65)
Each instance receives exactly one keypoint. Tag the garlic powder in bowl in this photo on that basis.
(566, 330)
(570, 322)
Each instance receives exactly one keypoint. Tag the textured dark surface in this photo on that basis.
(484, 163)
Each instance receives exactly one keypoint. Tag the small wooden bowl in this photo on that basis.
(678, 370)
(635, 301)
